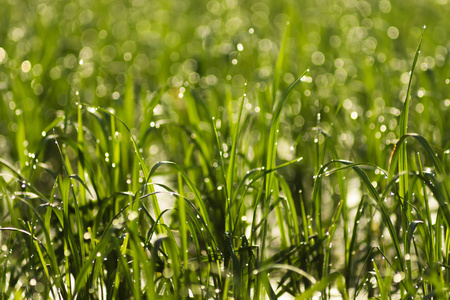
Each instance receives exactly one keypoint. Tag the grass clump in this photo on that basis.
(147, 159)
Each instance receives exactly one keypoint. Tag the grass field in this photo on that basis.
(224, 149)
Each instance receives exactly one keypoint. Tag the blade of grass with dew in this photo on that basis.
(200, 131)
(246, 265)
(135, 246)
(231, 262)
(329, 242)
(123, 269)
(67, 188)
(9, 200)
(199, 200)
(277, 202)
(321, 285)
(441, 189)
(140, 260)
(410, 236)
(276, 115)
(291, 268)
(196, 227)
(403, 124)
(384, 290)
(224, 176)
(266, 284)
(183, 228)
(374, 195)
(128, 118)
(317, 199)
(307, 228)
(142, 164)
(21, 140)
(290, 211)
(64, 185)
(330, 145)
(271, 145)
(114, 158)
(100, 183)
(254, 176)
(427, 211)
(150, 100)
(232, 167)
(100, 247)
(352, 245)
(78, 215)
(403, 156)
(271, 155)
(36, 243)
(81, 150)
(439, 231)
(49, 249)
(122, 266)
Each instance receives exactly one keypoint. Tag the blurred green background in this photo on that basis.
(359, 54)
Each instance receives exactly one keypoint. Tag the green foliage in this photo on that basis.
(179, 149)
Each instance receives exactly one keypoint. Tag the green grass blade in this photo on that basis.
(440, 189)
(279, 63)
(232, 167)
(403, 124)
(191, 185)
(271, 152)
(319, 286)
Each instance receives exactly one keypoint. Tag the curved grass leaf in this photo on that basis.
(319, 286)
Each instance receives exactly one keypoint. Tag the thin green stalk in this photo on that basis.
(232, 166)
(404, 194)
(183, 228)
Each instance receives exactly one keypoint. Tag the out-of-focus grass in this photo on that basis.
(176, 149)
